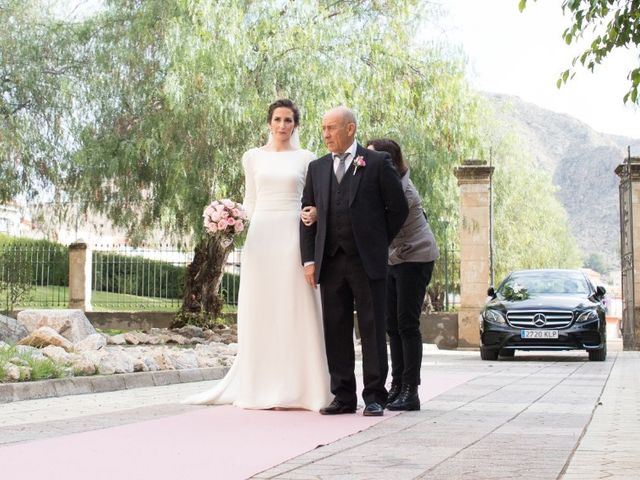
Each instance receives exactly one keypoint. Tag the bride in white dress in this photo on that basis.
(281, 359)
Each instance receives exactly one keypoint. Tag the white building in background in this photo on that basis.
(11, 220)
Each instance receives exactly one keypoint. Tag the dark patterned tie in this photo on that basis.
(341, 166)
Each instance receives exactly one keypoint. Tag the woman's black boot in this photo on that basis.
(407, 400)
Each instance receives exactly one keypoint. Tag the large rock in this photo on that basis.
(185, 359)
(115, 362)
(92, 342)
(57, 354)
(71, 324)
(190, 331)
(82, 365)
(11, 372)
(116, 339)
(45, 336)
(11, 330)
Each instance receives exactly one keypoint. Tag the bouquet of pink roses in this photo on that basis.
(224, 219)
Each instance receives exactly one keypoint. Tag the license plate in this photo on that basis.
(539, 334)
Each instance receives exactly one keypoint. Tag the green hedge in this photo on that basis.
(45, 262)
(150, 278)
(137, 275)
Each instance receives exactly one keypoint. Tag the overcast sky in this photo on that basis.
(523, 54)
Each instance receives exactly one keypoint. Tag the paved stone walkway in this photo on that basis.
(538, 416)
(515, 419)
(610, 447)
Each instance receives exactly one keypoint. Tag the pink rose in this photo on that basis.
(239, 226)
(358, 162)
(222, 224)
(209, 210)
(215, 216)
(211, 226)
(228, 203)
(235, 212)
(230, 221)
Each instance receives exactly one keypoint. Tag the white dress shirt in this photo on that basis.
(349, 160)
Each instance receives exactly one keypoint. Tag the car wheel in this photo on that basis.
(488, 353)
(507, 353)
(598, 355)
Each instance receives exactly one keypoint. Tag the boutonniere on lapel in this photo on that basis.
(358, 162)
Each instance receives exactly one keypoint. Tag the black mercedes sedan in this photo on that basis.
(544, 310)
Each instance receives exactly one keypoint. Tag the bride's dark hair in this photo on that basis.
(284, 103)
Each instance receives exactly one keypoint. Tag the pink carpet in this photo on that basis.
(221, 442)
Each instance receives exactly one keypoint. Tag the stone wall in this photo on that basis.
(439, 328)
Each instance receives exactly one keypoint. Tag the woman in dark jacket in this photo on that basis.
(411, 258)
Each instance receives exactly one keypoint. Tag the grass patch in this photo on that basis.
(58, 297)
(41, 368)
(44, 368)
(111, 331)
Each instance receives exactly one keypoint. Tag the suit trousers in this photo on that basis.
(344, 281)
(406, 286)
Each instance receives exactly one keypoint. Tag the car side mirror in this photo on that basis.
(491, 292)
(600, 291)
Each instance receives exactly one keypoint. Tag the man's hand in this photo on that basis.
(309, 215)
(310, 275)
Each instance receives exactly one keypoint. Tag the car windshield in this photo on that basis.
(520, 285)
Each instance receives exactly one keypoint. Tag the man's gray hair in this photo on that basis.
(348, 114)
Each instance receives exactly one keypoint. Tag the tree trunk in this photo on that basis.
(202, 302)
(436, 294)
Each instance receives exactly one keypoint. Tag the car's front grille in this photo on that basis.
(540, 318)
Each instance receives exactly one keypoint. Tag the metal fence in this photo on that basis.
(148, 278)
(125, 278)
(33, 276)
(444, 287)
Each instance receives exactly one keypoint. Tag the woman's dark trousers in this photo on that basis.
(406, 286)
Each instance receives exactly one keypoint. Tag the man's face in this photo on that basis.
(337, 132)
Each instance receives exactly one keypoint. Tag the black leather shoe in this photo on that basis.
(337, 407)
(373, 410)
(394, 391)
(408, 400)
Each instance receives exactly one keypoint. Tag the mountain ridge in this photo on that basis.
(581, 164)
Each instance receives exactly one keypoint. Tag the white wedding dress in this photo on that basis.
(281, 360)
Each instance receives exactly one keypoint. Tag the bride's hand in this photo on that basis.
(309, 215)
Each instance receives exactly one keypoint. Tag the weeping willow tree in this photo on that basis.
(40, 61)
(158, 100)
(178, 90)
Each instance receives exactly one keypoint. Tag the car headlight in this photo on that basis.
(494, 317)
(588, 316)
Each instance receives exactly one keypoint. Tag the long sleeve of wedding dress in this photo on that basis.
(249, 201)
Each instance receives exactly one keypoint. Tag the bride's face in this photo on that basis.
(282, 123)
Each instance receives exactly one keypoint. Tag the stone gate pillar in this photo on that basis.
(473, 180)
(80, 276)
(629, 173)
